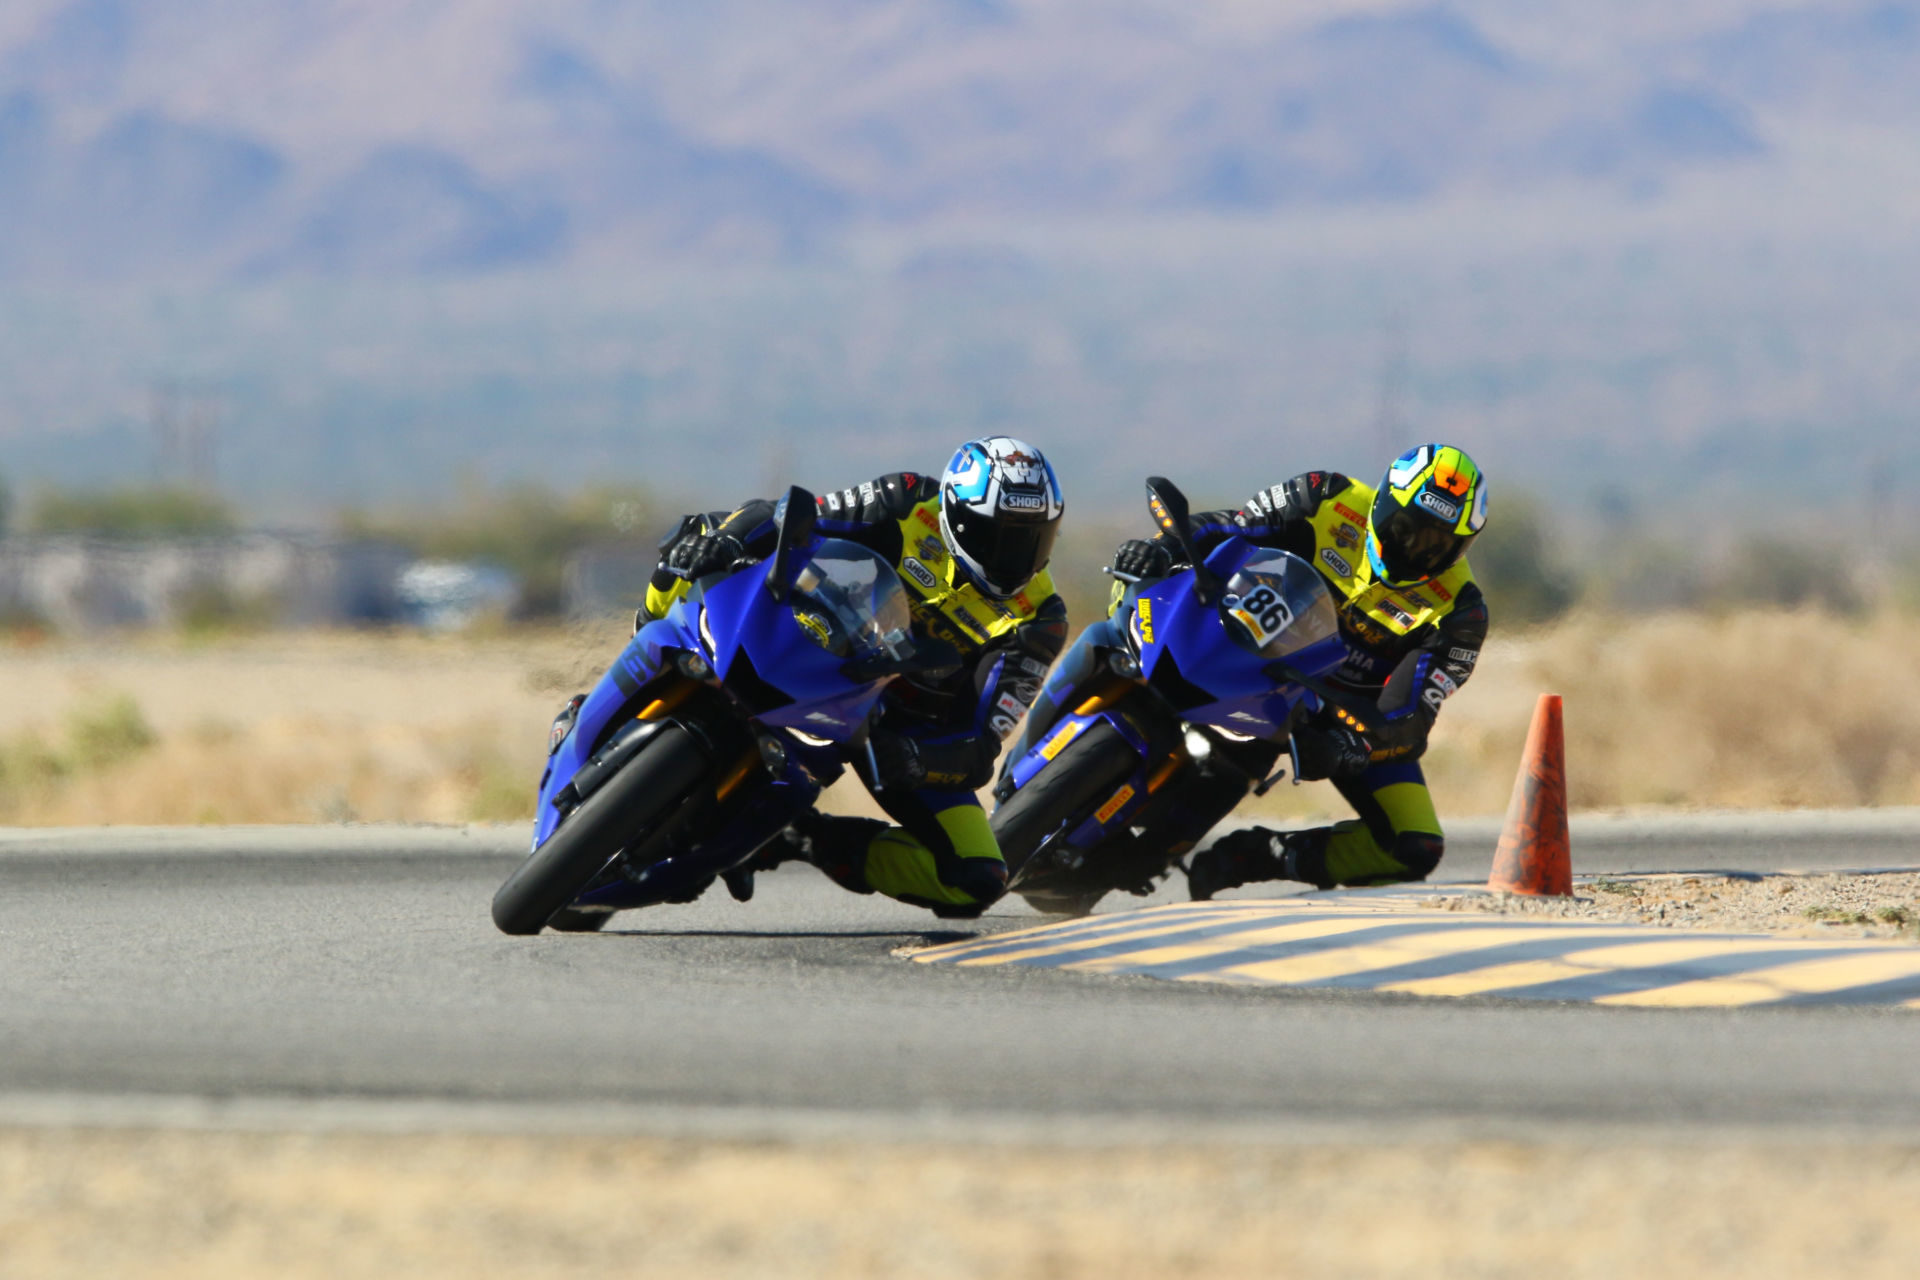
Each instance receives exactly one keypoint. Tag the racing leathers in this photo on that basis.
(1409, 649)
(936, 738)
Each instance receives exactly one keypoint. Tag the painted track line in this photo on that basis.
(1379, 941)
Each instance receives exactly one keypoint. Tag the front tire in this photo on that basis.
(567, 920)
(1091, 768)
(1072, 905)
(626, 805)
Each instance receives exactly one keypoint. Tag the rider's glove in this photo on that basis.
(1139, 558)
(708, 553)
(896, 760)
(1332, 751)
(1403, 739)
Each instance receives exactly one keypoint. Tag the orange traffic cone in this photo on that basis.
(1535, 855)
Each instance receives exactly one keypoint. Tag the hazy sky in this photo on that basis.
(1651, 247)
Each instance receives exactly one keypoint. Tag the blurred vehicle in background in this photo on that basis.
(446, 595)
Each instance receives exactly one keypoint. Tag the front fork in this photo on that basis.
(1079, 666)
(746, 810)
(1188, 779)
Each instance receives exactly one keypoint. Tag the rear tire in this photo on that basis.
(626, 805)
(1091, 768)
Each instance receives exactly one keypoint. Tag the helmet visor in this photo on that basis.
(1413, 544)
(1005, 552)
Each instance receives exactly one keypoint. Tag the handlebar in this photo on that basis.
(929, 657)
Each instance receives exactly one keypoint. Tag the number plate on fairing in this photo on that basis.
(1263, 613)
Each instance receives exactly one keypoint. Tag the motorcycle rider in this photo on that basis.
(1414, 620)
(971, 549)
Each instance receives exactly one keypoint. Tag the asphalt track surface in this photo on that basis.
(359, 966)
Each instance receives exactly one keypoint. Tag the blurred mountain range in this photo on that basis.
(1651, 259)
(209, 139)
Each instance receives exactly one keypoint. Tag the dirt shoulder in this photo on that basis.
(216, 1206)
(1884, 906)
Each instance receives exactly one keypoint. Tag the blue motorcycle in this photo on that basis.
(716, 726)
(1180, 704)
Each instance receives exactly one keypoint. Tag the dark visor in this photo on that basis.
(1008, 551)
(1413, 544)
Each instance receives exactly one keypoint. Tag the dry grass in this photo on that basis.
(1758, 710)
(314, 728)
(1743, 710)
(214, 1206)
(1761, 710)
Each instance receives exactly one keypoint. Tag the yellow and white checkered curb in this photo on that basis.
(1371, 942)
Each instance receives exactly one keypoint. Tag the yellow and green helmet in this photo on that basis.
(1429, 506)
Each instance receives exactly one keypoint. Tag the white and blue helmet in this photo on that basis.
(1000, 512)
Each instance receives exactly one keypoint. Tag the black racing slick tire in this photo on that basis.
(650, 786)
(1091, 768)
(1072, 904)
(567, 920)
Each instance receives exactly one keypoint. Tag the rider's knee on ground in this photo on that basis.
(984, 880)
(1419, 852)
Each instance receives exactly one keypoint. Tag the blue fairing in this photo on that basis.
(1248, 698)
(644, 658)
(1248, 695)
(744, 622)
(744, 625)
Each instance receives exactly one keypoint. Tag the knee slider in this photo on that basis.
(1419, 852)
(982, 879)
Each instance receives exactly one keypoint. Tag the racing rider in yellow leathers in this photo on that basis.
(971, 549)
(1413, 619)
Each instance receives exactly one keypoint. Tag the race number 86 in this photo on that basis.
(1264, 613)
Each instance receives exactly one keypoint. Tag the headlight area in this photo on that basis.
(773, 754)
(1199, 746)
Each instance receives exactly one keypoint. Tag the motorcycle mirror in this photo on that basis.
(795, 517)
(1170, 511)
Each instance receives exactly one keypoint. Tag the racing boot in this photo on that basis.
(836, 845)
(739, 882)
(1254, 854)
(793, 844)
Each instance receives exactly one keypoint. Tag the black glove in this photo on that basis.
(1402, 739)
(1139, 558)
(709, 553)
(896, 761)
(1330, 751)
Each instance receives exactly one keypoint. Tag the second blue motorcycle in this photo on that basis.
(1176, 708)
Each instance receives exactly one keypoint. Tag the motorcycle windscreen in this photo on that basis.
(787, 658)
(1277, 606)
(850, 602)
